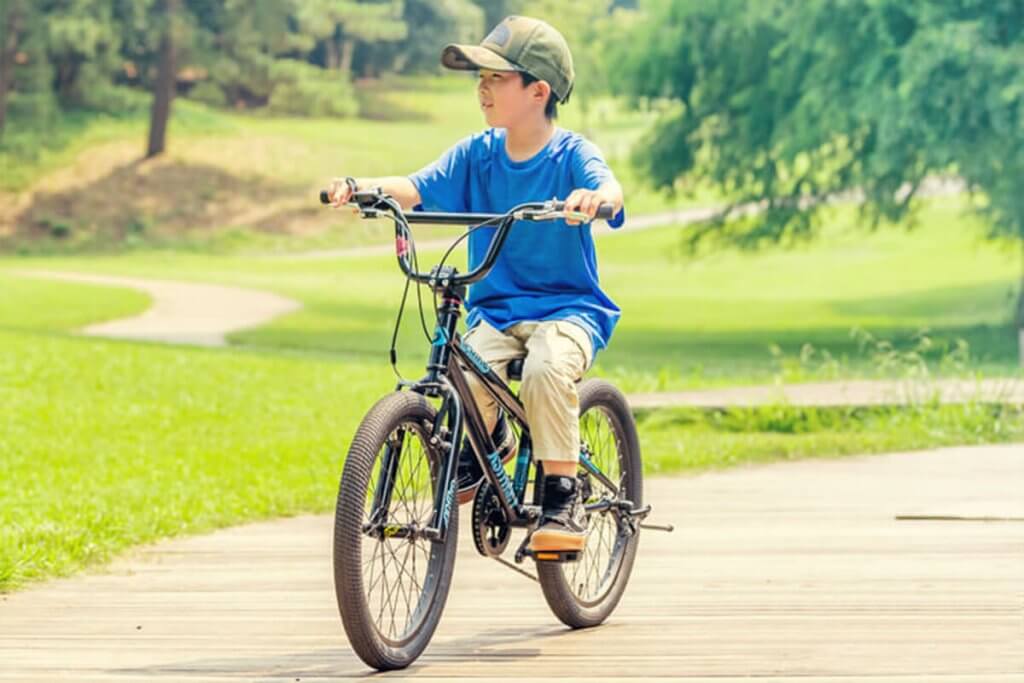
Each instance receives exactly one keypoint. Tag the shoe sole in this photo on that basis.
(556, 541)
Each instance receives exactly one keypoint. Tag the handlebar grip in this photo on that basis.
(325, 197)
(605, 211)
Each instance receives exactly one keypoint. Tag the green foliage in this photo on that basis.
(306, 90)
(83, 42)
(209, 93)
(32, 98)
(589, 28)
(496, 10)
(791, 102)
(691, 440)
(437, 23)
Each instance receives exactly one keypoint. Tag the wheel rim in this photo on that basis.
(400, 573)
(593, 575)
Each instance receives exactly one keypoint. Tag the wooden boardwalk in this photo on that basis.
(857, 569)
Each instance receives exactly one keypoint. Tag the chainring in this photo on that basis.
(490, 525)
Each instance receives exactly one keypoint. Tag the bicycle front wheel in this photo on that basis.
(583, 593)
(390, 581)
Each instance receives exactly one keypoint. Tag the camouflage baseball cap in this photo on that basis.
(519, 44)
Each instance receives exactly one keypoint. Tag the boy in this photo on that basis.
(542, 299)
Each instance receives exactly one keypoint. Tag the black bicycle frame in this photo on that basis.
(450, 362)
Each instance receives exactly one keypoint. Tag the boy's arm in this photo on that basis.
(399, 187)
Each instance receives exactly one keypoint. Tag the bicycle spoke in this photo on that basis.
(589, 576)
(395, 579)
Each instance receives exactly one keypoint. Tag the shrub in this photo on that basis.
(305, 90)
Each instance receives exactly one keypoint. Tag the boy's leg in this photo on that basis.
(558, 353)
(497, 349)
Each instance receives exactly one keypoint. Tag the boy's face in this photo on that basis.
(503, 99)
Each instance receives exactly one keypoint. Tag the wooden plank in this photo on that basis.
(795, 571)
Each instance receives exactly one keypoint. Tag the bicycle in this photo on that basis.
(396, 499)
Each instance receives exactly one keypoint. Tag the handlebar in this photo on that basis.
(553, 209)
(375, 204)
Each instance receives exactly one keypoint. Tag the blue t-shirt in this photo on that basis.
(546, 270)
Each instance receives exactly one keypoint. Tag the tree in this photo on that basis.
(437, 22)
(787, 103)
(12, 27)
(26, 76)
(496, 10)
(82, 46)
(342, 25)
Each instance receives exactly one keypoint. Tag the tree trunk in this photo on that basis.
(346, 55)
(332, 53)
(163, 89)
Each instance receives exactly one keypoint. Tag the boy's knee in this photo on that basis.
(543, 376)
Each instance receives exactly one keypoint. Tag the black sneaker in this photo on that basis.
(468, 468)
(563, 526)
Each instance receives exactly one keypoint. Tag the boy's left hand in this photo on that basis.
(587, 201)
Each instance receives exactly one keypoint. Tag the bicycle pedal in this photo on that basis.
(555, 555)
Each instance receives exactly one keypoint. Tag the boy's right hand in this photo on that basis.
(340, 191)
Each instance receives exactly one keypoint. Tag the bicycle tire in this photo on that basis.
(561, 581)
(378, 646)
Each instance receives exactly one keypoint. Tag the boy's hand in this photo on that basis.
(587, 201)
(340, 191)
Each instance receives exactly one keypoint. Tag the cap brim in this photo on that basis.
(473, 57)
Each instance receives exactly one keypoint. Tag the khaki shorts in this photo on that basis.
(557, 354)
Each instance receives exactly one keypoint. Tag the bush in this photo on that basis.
(208, 93)
(37, 109)
(116, 100)
(305, 90)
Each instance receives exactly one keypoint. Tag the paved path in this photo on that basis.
(183, 312)
(854, 570)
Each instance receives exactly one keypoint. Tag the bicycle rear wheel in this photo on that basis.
(585, 592)
(391, 583)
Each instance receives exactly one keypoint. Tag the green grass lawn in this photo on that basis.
(59, 306)
(686, 323)
(106, 444)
